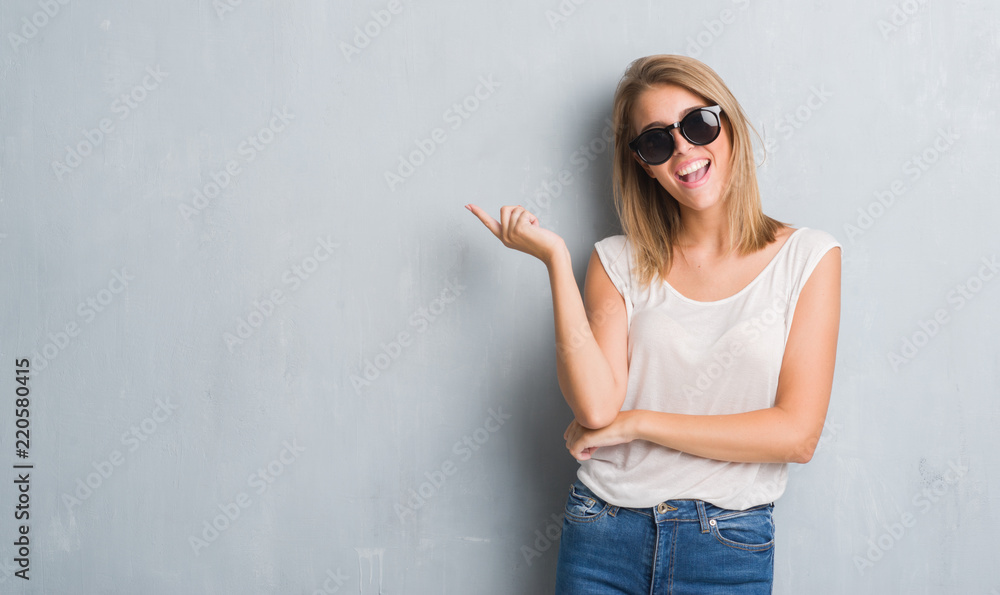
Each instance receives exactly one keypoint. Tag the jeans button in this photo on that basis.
(661, 507)
(711, 522)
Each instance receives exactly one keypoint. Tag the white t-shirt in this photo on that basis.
(701, 358)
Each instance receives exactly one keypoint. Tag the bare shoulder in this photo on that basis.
(784, 232)
(766, 253)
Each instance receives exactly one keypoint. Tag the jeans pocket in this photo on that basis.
(748, 530)
(582, 505)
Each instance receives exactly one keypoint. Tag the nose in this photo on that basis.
(681, 144)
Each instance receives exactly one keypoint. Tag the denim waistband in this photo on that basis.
(682, 509)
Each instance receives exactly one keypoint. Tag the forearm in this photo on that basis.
(584, 374)
(762, 436)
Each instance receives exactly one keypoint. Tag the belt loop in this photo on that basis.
(702, 516)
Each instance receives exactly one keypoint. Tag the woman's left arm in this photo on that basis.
(785, 433)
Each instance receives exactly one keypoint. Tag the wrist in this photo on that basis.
(559, 255)
(634, 424)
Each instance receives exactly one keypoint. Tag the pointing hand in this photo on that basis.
(519, 229)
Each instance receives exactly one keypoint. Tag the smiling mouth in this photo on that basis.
(696, 175)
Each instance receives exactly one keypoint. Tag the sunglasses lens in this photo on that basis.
(701, 127)
(655, 146)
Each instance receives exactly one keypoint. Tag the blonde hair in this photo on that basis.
(649, 216)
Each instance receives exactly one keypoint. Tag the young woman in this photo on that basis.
(700, 363)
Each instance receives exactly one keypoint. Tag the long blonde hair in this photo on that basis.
(649, 216)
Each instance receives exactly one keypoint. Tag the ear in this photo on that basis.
(644, 165)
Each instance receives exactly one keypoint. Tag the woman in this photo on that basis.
(690, 385)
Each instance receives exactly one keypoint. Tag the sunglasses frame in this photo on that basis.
(715, 109)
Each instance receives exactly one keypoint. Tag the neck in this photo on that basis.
(703, 232)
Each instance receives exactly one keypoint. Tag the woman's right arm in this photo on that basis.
(591, 341)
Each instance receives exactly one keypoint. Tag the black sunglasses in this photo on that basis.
(700, 127)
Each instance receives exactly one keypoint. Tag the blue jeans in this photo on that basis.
(676, 547)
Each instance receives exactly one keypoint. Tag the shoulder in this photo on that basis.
(612, 248)
(817, 237)
(615, 257)
(810, 242)
(813, 247)
(610, 242)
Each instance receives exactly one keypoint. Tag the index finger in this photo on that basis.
(485, 217)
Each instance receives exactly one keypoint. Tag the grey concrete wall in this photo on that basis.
(270, 352)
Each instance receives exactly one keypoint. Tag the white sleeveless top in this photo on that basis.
(701, 358)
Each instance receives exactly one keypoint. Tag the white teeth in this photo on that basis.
(693, 167)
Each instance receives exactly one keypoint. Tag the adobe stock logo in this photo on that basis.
(124, 106)
(915, 167)
(252, 146)
(545, 541)
(562, 13)
(420, 320)
(263, 308)
(541, 199)
(88, 310)
(456, 115)
(795, 120)
(136, 435)
(724, 358)
(48, 10)
(714, 29)
(231, 510)
(436, 478)
(924, 501)
(363, 36)
(900, 14)
(929, 328)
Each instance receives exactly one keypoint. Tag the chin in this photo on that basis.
(699, 202)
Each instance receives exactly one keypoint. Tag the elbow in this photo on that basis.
(802, 451)
(600, 413)
(802, 458)
(800, 441)
(596, 418)
(595, 421)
